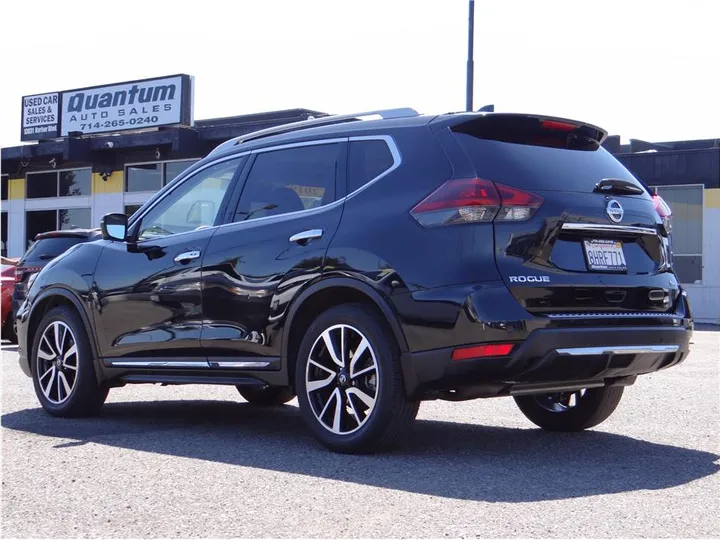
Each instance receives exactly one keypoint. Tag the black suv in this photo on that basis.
(364, 265)
(45, 247)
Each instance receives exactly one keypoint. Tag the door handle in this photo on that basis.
(187, 256)
(305, 236)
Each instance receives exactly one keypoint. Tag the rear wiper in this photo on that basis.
(615, 185)
(46, 257)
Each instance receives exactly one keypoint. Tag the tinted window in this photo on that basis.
(192, 205)
(143, 177)
(541, 168)
(367, 160)
(5, 182)
(75, 182)
(41, 185)
(46, 249)
(291, 180)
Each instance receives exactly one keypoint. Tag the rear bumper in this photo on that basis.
(549, 359)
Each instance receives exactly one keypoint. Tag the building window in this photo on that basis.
(153, 176)
(70, 183)
(5, 182)
(686, 203)
(39, 221)
(4, 233)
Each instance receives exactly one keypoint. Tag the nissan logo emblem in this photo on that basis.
(614, 211)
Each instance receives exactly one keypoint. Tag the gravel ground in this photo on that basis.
(197, 461)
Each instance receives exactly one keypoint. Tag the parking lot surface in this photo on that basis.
(197, 461)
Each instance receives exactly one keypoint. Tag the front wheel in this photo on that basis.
(349, 382)
(571, 411)
(63, 366)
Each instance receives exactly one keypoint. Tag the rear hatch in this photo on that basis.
(586, 237)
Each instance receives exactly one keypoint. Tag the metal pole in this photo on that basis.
(470, 63)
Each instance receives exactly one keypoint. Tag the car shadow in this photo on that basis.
(459, 461)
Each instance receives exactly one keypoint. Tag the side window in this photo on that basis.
(283, 181)
(367, 160)
(193, 205)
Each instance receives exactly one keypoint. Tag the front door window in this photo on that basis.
(193, 205)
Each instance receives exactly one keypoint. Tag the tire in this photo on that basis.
(52, 375)
(266, 396)
(361, 407)
(8, 330)
(549, 412)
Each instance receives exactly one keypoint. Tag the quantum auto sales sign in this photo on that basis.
(100, 109)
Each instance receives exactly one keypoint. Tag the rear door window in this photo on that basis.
(290, 180)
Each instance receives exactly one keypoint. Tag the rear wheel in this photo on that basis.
(63, 366)
(571, 411)
(349, 382)
(266, 395)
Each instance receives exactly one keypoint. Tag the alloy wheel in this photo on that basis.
(57, 362)
(561, 401)
(342, 379)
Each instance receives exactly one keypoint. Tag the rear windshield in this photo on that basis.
(47, 249)
(542, 168)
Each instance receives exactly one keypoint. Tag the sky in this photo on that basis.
(644, 69)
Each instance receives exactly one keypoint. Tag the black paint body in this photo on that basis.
(435, 288)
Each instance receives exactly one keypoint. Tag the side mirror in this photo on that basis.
(114, 227)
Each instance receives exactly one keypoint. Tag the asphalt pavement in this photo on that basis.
(197, 461)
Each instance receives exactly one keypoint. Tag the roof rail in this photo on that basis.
(326, 121)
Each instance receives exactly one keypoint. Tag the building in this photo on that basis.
(687, 175)
(92, 158)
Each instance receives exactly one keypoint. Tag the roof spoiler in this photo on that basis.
(517, 127)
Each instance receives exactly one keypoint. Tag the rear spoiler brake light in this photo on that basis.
(532, 130)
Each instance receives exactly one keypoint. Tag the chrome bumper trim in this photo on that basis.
(606, 227)
(631, 349)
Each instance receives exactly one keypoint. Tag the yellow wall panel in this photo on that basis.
(16, 188)
(113, 184)
(712, 198)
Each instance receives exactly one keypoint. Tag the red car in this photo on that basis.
(8, 284)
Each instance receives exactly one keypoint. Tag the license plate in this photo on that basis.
(605, 255)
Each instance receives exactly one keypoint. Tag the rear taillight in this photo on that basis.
(474, 200)
(663, 210)
(22, 270)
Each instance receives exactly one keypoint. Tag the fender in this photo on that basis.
(77, 302)
(378, 299)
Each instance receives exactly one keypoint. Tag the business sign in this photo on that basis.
(40, 116)
(100, 109)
